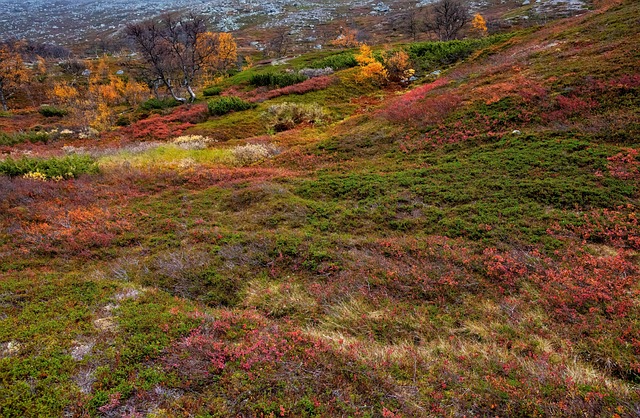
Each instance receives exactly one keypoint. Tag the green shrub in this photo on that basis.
(20, 137)
(284, 116)
(52, 111)
(212, 91)
(223, 105)
(159, 104)
(276, 79)
(431, 55)
(65, 167)
(337, 62)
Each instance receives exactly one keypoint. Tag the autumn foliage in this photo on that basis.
(13, 73)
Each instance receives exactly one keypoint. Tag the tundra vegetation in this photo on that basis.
(441, 228)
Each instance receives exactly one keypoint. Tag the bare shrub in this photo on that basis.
(193, 142)
(285, 116)
(252, 153)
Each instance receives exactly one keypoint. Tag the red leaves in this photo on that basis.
(312, 84)
(416, 108)
(570, 106)
(503, 268)
(625, 165)
(242, 341)
(260, 95)
(582, 285)
(169, 126)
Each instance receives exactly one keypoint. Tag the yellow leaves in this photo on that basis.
(218, 51)
(12, 68)
(371, 70)
(479, 25)
(64, 93)
(248, 62)
(365, 56)
(399, 66)
(13, 72)
(395, 66)
(227, 51)
(135, 93)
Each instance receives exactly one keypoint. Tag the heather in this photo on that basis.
(381, 241)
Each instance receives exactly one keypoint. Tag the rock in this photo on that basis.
(106, 324)
(11, 348)
(80, 351)
(381, 8)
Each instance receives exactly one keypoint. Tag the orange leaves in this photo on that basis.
(64, 94)
(95, 106)
(135, 93)
(63, 231)
(371, 70)
(398, 66)
(390, 66)
(347, 39)
(13, 72)
(479, 25)
(219, 51)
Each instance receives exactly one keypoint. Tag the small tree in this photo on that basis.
(177, 49)
(370, 69)
(447, 18)
(13, 73)
(348, 38)
(279, 44)
(479, 25)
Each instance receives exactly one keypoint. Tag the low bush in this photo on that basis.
(223, 105)
(284, 116)
(276, 79)
(20, 137)
(430, 55)
(312, 84)
(52, 111)
(159, 104)
(67, 167)
(212, 91)
(252, 153)
(193, 142)
(337, 62)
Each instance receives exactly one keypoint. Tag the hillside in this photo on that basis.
(466, 245)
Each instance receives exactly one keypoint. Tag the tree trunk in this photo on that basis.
(3, 100)
(173, 93)
(191, 94)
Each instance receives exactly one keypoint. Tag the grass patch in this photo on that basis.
(170, 155)
(53, 168)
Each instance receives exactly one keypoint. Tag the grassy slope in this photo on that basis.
(428, 262)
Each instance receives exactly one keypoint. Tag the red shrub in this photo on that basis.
(625, 165)
(171, 125)
(312, 84)
(583, 285)
(617, 227)
(415, 108)
(504, 268)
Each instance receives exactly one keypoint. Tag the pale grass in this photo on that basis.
(277, 298)
(169, 156)
(584, 374)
